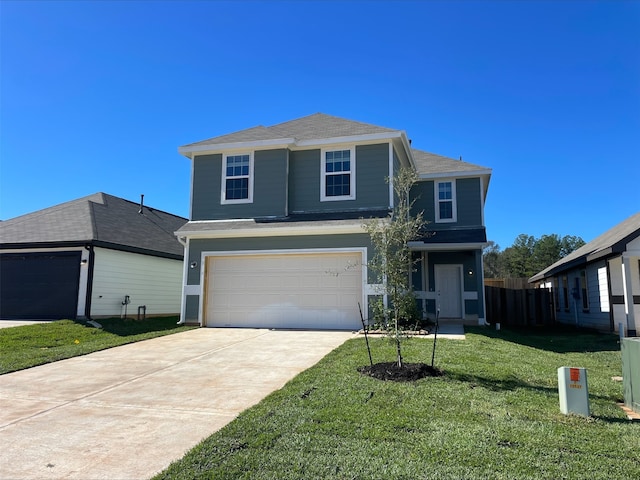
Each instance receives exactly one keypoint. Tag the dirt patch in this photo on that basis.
(409, 372)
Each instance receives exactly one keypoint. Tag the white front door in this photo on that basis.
(448, 279)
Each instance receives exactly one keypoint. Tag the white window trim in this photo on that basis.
(352, 173)
(223, 187)
(454, 205)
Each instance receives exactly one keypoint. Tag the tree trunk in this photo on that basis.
(397, 338)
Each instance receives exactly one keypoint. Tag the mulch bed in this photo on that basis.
(409, 372)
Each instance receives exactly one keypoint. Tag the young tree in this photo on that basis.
(392, 260)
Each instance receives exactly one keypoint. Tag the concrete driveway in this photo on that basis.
(128, 412)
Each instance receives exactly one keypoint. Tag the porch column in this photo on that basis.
(185, 274)
(482, 317)
(627, 286)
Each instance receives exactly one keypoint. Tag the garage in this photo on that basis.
(284, 290)
(39, 285)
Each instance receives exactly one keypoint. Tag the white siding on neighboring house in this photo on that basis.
(615, 266)
(603, 289)
(151, 281)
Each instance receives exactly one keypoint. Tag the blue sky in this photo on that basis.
(97, 96)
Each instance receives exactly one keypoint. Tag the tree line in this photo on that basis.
(528, 255)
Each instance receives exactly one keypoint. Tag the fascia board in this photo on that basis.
(603, 253)
(188, 151)
(347, 139)
(407, 148)
(218, 147)
(457, 174)
(275, 232)
(43, 245)
(401, 144)
(421, 246)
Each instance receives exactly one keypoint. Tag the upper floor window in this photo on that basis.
(237, 178)
(338, 175)
(446, 210)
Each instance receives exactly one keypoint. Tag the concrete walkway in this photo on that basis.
(128, 412)
(20, 323)
(451, 331)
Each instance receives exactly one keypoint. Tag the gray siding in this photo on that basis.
(197, 246)
(594, 317)
(467, 199)
(422, 195)
(372, 169)
(470, 261)
(205, 200)
(469, 204)
(192, 308)
(269, 188)
(396, 162)
(304, 181)
(372, 164)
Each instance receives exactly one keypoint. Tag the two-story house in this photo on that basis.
(276, 239)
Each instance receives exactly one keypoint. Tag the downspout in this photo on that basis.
(612, 326)
(87, 302)
(183, 300)
(485, 322)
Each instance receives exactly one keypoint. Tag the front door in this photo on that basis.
(448, 289)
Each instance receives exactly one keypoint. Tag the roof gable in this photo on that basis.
(321, 126)
(318, 126)
(249, 135)
(96, 218)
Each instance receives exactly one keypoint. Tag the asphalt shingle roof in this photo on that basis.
(316, 126)
(430, 163)
(97, 218)
(612, 241)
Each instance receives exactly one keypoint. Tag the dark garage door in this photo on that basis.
(39, 285)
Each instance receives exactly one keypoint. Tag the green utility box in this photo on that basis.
(631, 372)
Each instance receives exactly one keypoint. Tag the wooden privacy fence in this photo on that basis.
(530, 307)
(513, 283)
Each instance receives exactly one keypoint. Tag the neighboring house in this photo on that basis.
(82, 258)
(598, 285)
(276, 234)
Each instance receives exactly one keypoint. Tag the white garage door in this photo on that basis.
(316, 291)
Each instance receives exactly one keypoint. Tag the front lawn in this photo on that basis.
(31, 345)
(494, 414)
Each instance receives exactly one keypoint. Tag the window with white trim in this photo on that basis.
(445, 193)
(338, 175)
(237, 178)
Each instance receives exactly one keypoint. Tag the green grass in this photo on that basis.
(495, 414)
(31, 345)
